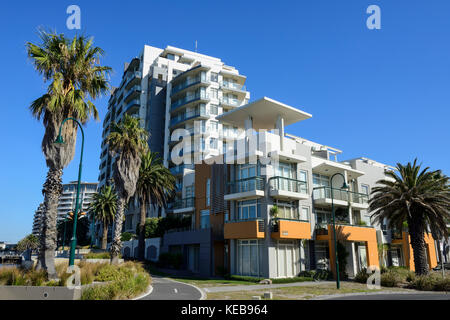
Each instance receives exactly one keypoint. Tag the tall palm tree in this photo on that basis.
(154, 187)
(75, 76)
(419, 197)
(104, 206)
(127, 141)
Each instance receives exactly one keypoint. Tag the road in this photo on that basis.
(393, 296)
(165, 289)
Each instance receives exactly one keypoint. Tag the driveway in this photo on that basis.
(166, 289)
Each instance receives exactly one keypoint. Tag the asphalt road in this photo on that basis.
(392, 296)
(165, 289)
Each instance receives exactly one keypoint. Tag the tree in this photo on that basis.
(421, 198)
(127, 141)
(103, 207)
(154, 187)
(75, 76)
(30, 242)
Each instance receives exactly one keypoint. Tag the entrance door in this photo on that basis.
(286, 259)
(362, 254)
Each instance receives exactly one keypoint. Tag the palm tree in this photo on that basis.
(154, 187)
(419, 197)
(128, 141)
(103, 207)
(72, 67)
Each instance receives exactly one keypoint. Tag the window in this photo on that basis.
(214, 109)
(304, 178)
(170, 56)
(160, 78)
(208, 192)
(214, 77)
(304, 214)
(189, 191)
(249, 257)
(365, 189)
(213, 144)
(204, 219)
(214, 93)
(214, 126)
(248, 210)
(287, 209)
(247, 171)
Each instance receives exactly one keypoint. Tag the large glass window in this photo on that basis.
(248, 209)
(247, 171)
(208, 192)
(249, 257)
(287, 209)
(204, 219)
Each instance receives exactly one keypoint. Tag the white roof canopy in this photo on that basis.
(264, 113)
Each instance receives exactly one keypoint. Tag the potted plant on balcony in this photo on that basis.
(274, 214)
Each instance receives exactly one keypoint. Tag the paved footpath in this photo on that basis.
(391, 296)
(166, 289)
(264, 286)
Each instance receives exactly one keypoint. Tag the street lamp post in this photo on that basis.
(336, 262)
(60, 140)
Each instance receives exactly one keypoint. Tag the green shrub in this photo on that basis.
(291, 280)
(323, 275)
(442, 284)
(307, 273)
(425, 283)
(98, 255)
(390, 279)
(362, 276)
(127, 236)
(245, 278)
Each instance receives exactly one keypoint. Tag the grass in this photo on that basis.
(125, 281)
(98, 255)
(294, 293)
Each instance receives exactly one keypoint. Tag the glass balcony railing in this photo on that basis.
(184, 203)
(198, 96)
(188, 83)
(340, 194)
(288, 184)
(200, 112)
(131, 77)
(135, 102)
(245, 185)
(229, 101)
(233, 86)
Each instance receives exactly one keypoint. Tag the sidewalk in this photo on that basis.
(265, 286)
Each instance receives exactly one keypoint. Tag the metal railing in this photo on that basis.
(202, 112)
(187, 99)
(339, 194)
(184, 203)
(189, 82)
(229, 101)
(233, 86)
(288, 184)
(244, 185)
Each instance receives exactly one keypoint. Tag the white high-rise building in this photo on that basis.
(170, 89)
(67, 200)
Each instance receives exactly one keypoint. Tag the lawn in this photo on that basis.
(297, 293)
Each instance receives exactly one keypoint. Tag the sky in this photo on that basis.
(381, 94)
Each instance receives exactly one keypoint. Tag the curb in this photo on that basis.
(332, 296)
(149, 291)
(203, 294)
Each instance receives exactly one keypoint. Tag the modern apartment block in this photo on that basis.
(234, 228)
(37, 220)
(67, 200)
(170, 89)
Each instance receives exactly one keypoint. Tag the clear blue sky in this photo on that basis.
(382, 94)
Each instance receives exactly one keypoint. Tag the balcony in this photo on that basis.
(134, 92)
(341, 198)
(346, 231)
(133, 106)
(244, 229)
(179, 170)
(198, 113)
(229, 102)
(182, 205)
(290, 229)
(189, 83)
(288, 189)
(245, 189)
(134, 78)
(189, 99)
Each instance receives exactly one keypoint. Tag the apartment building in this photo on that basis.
(67, 200)
(37, 220)
(234, 228)
(180, 96)
(170, 89)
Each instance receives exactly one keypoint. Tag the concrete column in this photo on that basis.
(279, 125)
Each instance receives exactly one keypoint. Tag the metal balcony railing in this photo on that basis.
(189, 82)
(339, 194)
(202, 112)
(288, 184)
(244, 185)
(184, 203)
(178, 103)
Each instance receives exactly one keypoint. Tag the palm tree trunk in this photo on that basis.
(417, 233)
(105, 236)
(116, 245)
(52, 190)
(141, 244)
